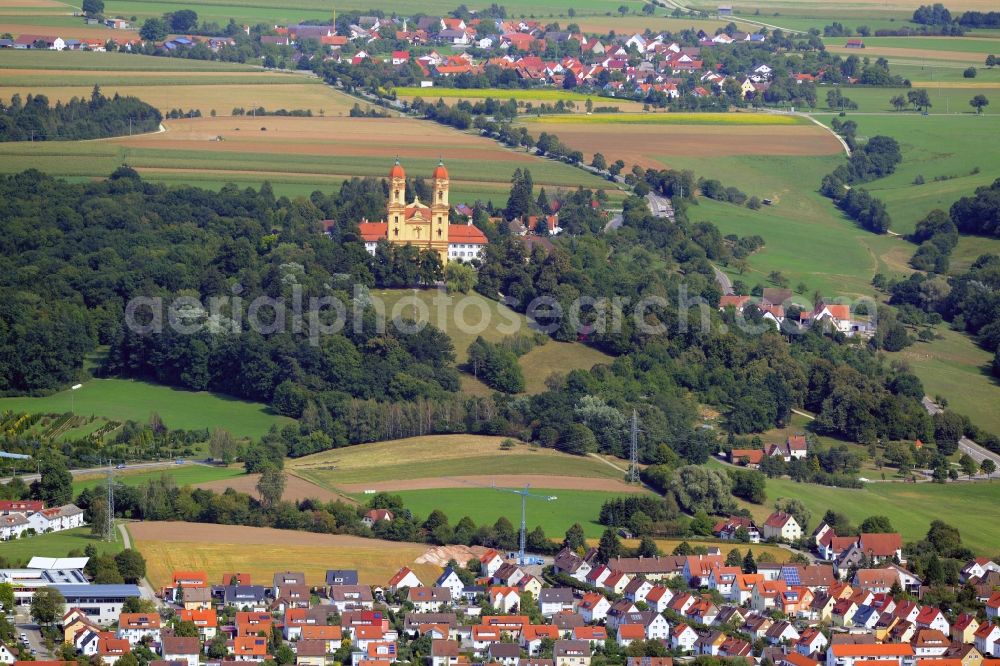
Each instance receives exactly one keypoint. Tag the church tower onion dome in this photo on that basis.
(440, 173)
(397, 171)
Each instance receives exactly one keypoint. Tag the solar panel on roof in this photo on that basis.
(791, 575)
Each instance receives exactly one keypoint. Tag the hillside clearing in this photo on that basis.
(123, 399)
(441, 456)
(464, 317)
(910, 507)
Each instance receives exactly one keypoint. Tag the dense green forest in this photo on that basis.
(101, 244)
(34, 119)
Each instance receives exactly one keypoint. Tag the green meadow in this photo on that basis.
(955, 367)
(485, 505)
(910, 507)
(183, 475)
(288, 173)
(121, 399)
(806, 238)
(56, 544)
(946, 100)
(946, 147)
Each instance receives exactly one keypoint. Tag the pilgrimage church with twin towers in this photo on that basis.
(422, 225)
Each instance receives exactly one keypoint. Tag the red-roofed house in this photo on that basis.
(751, 458)
(781, 525)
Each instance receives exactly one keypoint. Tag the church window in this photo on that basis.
(439, 233)
(395, 218)
(395, 231)
(440, 195)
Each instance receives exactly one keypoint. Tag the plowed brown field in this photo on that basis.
(652, 145)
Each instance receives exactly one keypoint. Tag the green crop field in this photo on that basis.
(276, 11)
(122, 399)
(188, 474)
(115, 62)
(972, 45)
(485, 506)
(56, 544)
(910, 507)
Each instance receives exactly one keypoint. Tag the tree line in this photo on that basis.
(35, 119)
(877, 158)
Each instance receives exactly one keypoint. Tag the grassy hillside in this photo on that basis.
(910, 507)
(122, 399)
(466, 316)
(956, 367)
(806, 238)
(935, 146)
(441, 455)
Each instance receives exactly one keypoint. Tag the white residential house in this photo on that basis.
(593, 607)
(988, 639)
(683, 638)
(781, 526)
(554, 600)
(489, 562)
(133, 627)
(7, 654)
(404, 578)
(449, 579)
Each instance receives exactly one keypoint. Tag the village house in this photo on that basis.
(781, 526)
(181, 649)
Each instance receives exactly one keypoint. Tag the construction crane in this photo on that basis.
(525, 494)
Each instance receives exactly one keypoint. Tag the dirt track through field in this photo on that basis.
(503, 480)
(296, 488)
(248, 536)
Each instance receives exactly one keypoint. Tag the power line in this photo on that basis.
(633, 468)
(109, 520)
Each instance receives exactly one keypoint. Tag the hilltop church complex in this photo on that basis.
(421, 225)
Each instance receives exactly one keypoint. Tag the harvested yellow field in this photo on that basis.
(261, 551)
(222, 98)
(427, 449)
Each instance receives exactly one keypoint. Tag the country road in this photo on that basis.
(28, 478)
(965, 445)
(144, 587)
(725, 284)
